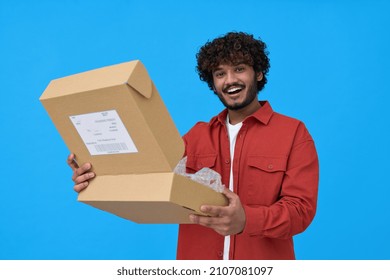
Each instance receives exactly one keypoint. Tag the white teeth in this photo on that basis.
(230, 90)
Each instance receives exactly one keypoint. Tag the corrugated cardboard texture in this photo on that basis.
(163, 197)
(137, 186)
(146, 119)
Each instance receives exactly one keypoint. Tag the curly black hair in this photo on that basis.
(233, 48)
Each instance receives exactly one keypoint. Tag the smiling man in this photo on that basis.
(267, 161)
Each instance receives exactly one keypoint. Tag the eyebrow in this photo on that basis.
(239, 63)
(235, 64)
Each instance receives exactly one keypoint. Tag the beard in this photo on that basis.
(251, 95)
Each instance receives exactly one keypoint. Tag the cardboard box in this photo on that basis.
(114, 118)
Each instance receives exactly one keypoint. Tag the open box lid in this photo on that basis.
(107, 104)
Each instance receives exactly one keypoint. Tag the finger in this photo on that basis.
(81, 171)
(228, 193)
(79, 187)
(84, 168)
(214, 211)
(231, 196)
(201, 220)
(85, 177)
(216, 223)
(194, 219)
(72, 162)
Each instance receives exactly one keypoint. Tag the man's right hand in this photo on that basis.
(81, 175)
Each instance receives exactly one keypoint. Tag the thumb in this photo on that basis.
(229, 194)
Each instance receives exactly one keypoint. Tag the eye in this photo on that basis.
(240, 69)
(219, 74)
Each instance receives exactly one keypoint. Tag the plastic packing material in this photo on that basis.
(205, 176)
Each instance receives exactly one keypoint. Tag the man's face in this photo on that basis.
(236, 85)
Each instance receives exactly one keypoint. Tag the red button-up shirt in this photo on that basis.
(275, 170)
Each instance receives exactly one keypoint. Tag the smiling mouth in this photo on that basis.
(234, 89)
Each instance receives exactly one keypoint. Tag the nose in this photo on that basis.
(230, 77)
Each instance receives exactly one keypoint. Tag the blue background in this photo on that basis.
(329, 68)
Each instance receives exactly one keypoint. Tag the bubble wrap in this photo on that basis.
(205, 176)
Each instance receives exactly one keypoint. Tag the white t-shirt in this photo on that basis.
(233, 131)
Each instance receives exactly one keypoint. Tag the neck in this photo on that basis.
(237, 116)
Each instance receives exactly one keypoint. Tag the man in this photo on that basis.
(267, 161)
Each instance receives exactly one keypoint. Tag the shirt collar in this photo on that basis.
(262, 115)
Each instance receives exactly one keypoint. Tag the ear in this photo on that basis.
(214, 89)
(259, 76)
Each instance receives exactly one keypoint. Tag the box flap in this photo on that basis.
(140, 81)
(150, 198)
(126, 91)
(105, 77)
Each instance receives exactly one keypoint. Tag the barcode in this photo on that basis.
(111, 148)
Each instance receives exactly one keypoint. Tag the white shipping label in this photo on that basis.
(104, 133)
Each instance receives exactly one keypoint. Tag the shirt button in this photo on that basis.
(270, 166)
(227, 161)
(220, 253)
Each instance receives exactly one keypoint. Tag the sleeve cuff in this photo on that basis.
(254, 220)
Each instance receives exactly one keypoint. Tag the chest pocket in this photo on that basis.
(197, 162)
(265, 178)
(268, 163)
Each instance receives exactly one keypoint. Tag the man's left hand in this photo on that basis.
(226, 220)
